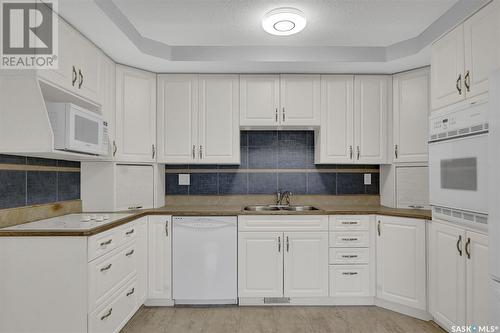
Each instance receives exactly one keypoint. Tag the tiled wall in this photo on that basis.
(30, 181)
(271, 161)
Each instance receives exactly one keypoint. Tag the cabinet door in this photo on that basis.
(260, 264)
(142, 259)
(259, 100)
(108, 98)
(300, 100)
(401, 265)
(335, 144)
(411, 116)
(370, 118)
(482, 49)
(159, 257)
(447, 67)
(478, 279)
(219, 131)
(447, 274)
(134, 186)
(412, 187)
(135, 115)
(178, 118)
(306, 264)
(88, 57)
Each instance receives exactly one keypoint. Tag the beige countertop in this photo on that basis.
(227, 210)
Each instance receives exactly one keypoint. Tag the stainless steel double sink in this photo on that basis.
(271, 208)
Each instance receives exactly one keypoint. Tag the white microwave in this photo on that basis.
(458, 164)
(77, 129)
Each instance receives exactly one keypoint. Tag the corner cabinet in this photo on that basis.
(411, 116)
(135, 115)
(401, 262)
(198, 119)
(280, 100)
(462, 60)
(459, 279)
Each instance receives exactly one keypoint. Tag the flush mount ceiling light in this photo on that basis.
(284, 21)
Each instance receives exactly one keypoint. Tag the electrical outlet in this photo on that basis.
(184, 179)
(368, 178)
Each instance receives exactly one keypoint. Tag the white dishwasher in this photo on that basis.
(205, 260)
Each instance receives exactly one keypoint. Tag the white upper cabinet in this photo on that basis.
(219, 134)
(463, 59)
(135, 115)
(370, 118)
(482, 48)
(259, 100)
(336, 141)
(177, 118)
(305, 264)
(198, 118)
(88, 69)
(108, 98)
(401, 264)
(300, 100)
(280, 100)
(410, 116)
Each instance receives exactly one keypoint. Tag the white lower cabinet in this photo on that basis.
(159, 260)
(274, 262)
(401, 261)
(349, 280)
(459, 281)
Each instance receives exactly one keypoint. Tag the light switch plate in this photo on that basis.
(368, 178)
(184, 179)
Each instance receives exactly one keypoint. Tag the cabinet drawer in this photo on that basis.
(112, 316)
(108, 272)
(349, 280)
(103, 243)
(344, 222)
(283, 223)
(349, 255)
(349, 239)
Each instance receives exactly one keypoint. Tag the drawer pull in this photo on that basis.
(130, 232)
(131, 292)
(106, 242)
(350, 273)
(131, 252)
(349, 256)
(349, 239)
(107, 314)
(106, 268)
(349, 222)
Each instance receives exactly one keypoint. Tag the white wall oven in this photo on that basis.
(458, 164)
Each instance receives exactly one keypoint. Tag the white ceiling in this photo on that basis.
(342, 36)
(238, 22)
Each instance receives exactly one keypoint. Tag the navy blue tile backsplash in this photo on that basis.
(272, 161)
(34, 181)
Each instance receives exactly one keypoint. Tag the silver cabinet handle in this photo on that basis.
(201, 151)
(349, 222)
(106, 242)
(349, 239)
(134, 207)
(349, 256)
(378, 228)
(81, 79)
(131, 292)
(287, 244)
(350, 273)
(74, 76)
(350, 152)
(458, 84)
(416, 206)
(359, 151)
(166, 228)
(396, 151)
(276, 115)
(107, 314)
(467, 248)
(130, 232)
(283, 114)
(279, 244)
(153, 149)
(128, 254)
(105, 268)
(114, 148)
(194, 152)
(467, 81)
(459, 245)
